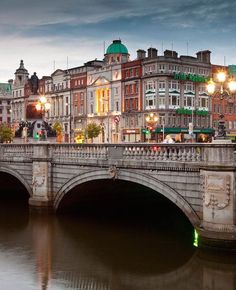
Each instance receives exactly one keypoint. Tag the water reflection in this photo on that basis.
(38, 252)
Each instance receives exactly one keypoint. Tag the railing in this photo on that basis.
(178, 152)
(16, 151)
(157, 152)
(76, 151)
(163, 152)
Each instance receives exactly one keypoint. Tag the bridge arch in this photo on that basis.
(18, 177)
(136, 177)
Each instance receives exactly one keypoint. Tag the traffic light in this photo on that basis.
(145, 131)
(36, 136)
(150, 128)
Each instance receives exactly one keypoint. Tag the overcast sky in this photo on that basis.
(46, 33)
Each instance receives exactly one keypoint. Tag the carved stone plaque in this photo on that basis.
(216, 191)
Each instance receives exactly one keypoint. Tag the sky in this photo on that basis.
(50, 35)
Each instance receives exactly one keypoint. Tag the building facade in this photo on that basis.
(121, 95)
(104, 93)
(174, 88)
(132, 100)
(225, 104)
(5, 102)
(18, 103)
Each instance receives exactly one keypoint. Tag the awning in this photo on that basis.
(183, 130)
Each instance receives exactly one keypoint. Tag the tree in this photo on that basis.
(92, 130)
(6, 134)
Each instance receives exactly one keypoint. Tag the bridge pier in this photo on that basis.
(41, 199)
(218, 228)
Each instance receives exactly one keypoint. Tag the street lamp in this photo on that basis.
(222, 87)
(151, 120)
(43, 106)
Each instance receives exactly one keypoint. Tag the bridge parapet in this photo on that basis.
(16, 152)
(178, 152)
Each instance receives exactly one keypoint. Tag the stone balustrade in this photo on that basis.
(178, 152)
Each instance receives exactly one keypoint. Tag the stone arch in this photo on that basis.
(136, 177)
(17, 176)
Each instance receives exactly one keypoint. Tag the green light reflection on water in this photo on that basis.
(195, 241)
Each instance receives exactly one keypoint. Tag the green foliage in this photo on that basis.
(92, 130)
(201, 113)
(6, 134)
(183, 111)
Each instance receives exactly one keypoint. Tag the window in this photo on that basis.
(161, 67)
(150, 102)
(174, 85)
(91, 108)
(203, 102)
(188, 87)
(162, 85)
(173, 100)
(117, 106)
(150, 86)
(188, 101)
(161, 100)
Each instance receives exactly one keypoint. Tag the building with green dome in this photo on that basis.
(116, 52)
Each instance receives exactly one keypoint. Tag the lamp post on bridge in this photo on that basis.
(43, 106)
(222, 87)
(151, 120)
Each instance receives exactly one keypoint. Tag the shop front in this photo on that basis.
(131, 135)
(182, 134)
(231, 136)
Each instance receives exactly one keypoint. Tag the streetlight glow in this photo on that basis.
(223, 82)
(148, 118)
(232, 86)
(43, 106)
(38, 106)
(211, 87)
(221, 76)
(43, 99)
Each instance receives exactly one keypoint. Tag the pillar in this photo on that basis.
(218, 228)
(41, 197)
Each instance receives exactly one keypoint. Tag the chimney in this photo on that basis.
(204, 56)
(170, 53)
(141, 54)
(152, 52)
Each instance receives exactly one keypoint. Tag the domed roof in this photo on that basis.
(117, 47)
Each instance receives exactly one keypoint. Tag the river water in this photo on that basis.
(94, 251)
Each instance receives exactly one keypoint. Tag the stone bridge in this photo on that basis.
(198, 178)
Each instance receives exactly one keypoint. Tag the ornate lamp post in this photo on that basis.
(43, 106)
(151, 120)
(222, 87)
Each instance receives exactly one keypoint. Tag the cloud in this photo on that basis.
(43, 31)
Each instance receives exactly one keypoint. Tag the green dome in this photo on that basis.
(117, 47)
